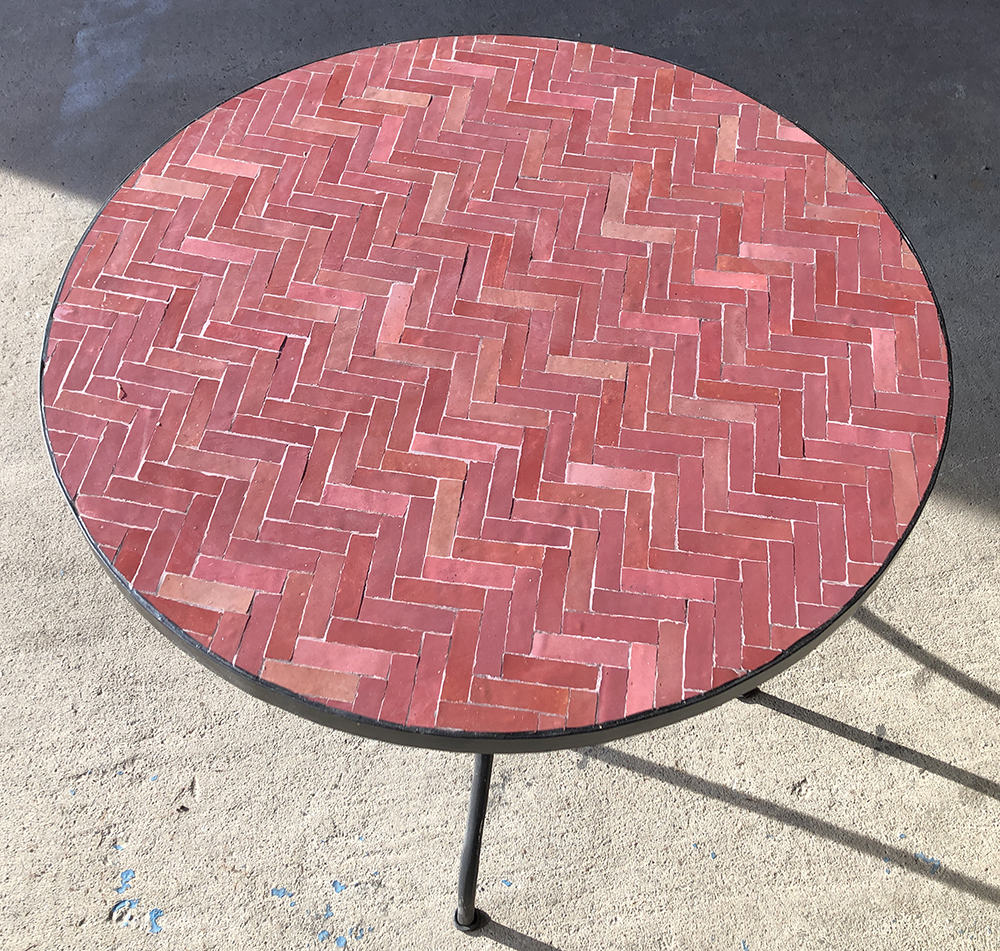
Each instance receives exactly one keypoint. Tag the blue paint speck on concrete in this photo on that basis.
(154, 921)
(504, 881)
(72, 792)
(127, 877)
(120, 772)
(341, 941)
(281, 892)
(902, 835)
(746, 947)
(935, 864)
(712, 854)
(116, 847)
(323, 935)
(328, 913)
(154, 777)
(694, 845)
(337, 886)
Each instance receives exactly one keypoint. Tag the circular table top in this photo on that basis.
(493, 393)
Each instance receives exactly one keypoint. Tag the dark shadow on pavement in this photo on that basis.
(510, 938)
(879, 744)
(863, 844)
(895, 637)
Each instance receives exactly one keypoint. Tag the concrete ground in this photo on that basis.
(855, 805)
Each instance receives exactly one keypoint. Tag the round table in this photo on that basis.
(494, 394)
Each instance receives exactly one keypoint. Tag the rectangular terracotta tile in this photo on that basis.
(272, 555)
(226, 640)
(502, 552)
(417, 617)
(583, 650)
(129, 551)
(611, 693)
(552, 589)
(369, 697)
(489, 719)
(286, 625)
(399, 688)
(493, 632)
(755, 596)
(640, 690)
(904, 484)
(381, 572)
(525, 532)
(523, 602)
(636, 606)
(328, 684)
(502, 484)
(417, 591)
(523, 696)
(135, 490)
(199, 622)
(428, 680)
(476, 573)
(604, 627)
(698, 646)
(461, 657)
(414, 543)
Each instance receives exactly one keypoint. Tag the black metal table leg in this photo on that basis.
(467, 916)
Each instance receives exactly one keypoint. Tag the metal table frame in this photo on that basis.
(467, 917)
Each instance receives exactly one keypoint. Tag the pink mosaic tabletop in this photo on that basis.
(494, 393)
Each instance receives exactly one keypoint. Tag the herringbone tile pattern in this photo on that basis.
(495, 384)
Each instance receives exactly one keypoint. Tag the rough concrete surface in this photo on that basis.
(854, 805)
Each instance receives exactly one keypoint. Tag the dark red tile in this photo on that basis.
(287, 621)
(428, 680)
(537, 698)
(190, 618)
(484, 718)
(369, 697)
(228, 635)
(130, 552)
